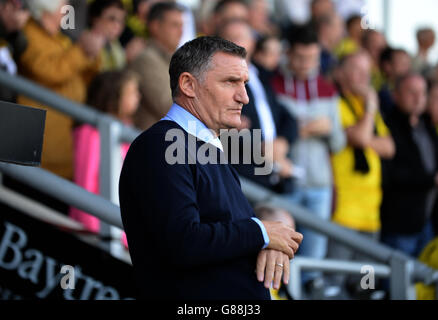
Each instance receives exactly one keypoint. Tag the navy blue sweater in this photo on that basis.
(189, 226)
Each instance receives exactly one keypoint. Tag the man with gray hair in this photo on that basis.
(191, 232)
(53, 61)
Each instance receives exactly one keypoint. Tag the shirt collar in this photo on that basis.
(192, 125)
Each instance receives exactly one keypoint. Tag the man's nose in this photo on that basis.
(242, 96)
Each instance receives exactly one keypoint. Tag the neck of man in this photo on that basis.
(189, 106)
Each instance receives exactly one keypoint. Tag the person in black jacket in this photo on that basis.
(191, 232)
(410, 179)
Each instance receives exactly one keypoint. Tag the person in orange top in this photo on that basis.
(53, 61)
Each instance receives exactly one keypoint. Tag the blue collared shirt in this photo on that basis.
(196, 128)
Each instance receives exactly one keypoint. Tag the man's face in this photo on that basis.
(336, 30)
(322, 7)
(240, 34)
(220, 96)
(168, 31)
(232, 11)
(271, 55)
(427, 40)
(401, 64)
(13, 15)
(304, 59)
(356, 74)
(376, 45)
(411, 97)
(110, 23)
(259, 14)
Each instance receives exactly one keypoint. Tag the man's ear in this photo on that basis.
(187, 84)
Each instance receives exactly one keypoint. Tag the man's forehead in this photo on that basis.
(229, 64)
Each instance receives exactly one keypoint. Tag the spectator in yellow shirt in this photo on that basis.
(357, 169)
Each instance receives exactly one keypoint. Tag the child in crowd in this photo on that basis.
(116, 93)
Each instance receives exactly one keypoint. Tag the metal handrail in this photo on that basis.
(349, 238)
(306, 219)
(65, 191)
(80, 112)
(299, 264)
(411, 269)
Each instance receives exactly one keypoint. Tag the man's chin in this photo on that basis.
(236, 124)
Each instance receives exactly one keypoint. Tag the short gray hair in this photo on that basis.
(38, 7)
(195, 58)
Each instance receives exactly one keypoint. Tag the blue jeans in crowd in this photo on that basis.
(411, 244)
(317, 201)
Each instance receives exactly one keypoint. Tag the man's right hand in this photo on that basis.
(282, 237)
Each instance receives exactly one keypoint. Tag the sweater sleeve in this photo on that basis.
(166, 198)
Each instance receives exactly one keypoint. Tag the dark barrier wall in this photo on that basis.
(32, 254)
(21, 133)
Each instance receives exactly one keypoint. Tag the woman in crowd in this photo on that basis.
(107, 18)
(53, 61)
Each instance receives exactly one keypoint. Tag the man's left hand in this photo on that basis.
(272, 266)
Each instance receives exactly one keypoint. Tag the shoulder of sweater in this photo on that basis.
(155, 136)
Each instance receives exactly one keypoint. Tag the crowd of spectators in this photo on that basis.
(352, 120)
